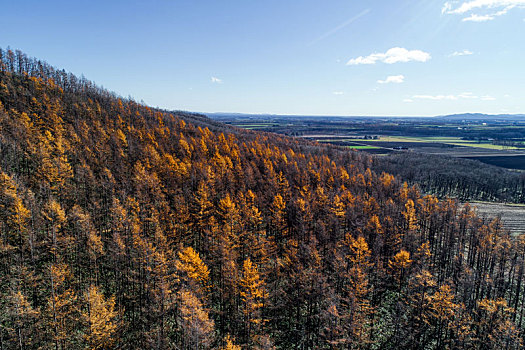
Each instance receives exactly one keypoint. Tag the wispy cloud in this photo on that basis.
(435, 97)
(471, 5)
(481, 10)
(216, 80)
(339, 27)
(462, 96)
(478, 18)
(467, 95)
(393, 55)
(338, 93)
(396, 79)
(461, 53)
(488, 98)
(408, 100)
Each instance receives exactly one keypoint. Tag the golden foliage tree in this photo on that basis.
(197, 327)
(229, 344)
(193, 270)
(399, 265)
(358, 309)
(13, 214)
(253, 295)
(100, 317)
(62, 309)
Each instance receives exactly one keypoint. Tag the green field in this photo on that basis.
(484, 145)
(455, 141)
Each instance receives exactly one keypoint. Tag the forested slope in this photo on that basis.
(123, 226)
(465, 179)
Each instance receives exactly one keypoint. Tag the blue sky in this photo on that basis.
(307, 57)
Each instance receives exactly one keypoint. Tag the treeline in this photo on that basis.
(460, 178)
(518, 143)
(127, 227)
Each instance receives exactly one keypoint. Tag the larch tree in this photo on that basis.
(24, 320)
(193, 271)
(229, 344)
(13, 217)
(358, 310)
(399, 265)
(62, 310)
(197, 327)
(101, 319)
(253, 295)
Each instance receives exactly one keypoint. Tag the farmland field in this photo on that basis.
(512, 216)
(495, 142)
(498, 155)
(511, 162)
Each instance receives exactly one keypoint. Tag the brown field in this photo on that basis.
(512, 215)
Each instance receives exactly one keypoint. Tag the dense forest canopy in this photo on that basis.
(465, 179)
(416, 154)
(124, 226)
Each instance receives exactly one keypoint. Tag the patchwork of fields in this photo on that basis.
(456, 138)
(484, 151)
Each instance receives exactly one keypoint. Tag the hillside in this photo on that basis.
(124, 226)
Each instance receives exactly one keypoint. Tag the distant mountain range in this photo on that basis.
(481, 116)
(452, 117)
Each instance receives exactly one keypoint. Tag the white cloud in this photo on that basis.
(468, 6)
(481, 10)
(467, 95)
(397, 79)
(478, 18)
(447, 7)
(216, 80)
(338, 93)
(408, 100)
(505, 10)
(461, 53)
(393, 55)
